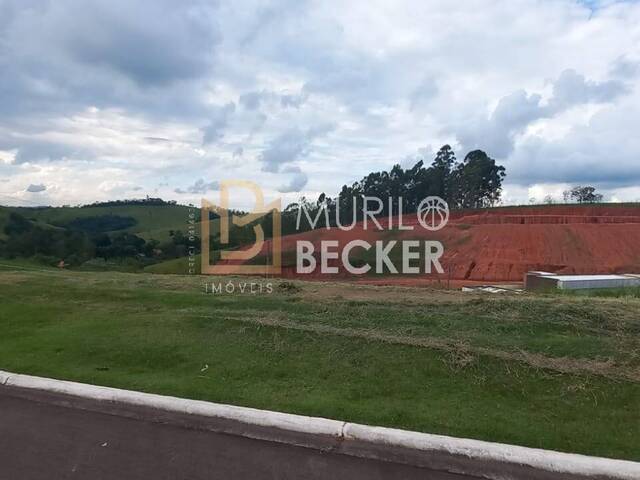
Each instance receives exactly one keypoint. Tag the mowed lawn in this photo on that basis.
(555, 372)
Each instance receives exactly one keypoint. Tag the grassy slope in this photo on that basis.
(529, 371)
(153, 222)
(178, 266)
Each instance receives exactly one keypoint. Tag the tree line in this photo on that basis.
(474, 182)
(148, 201)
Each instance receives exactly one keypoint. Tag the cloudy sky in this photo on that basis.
(122, 99)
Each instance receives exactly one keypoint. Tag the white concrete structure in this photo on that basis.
(545, 281)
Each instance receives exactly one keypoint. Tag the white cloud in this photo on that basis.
(117, 187)
(7, 158)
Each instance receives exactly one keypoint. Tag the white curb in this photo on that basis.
(249, 416)
(546, 460)
(4, 377)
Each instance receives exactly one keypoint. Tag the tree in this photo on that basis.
(585, 194)
(477, 182)
(474, 183)
(17, 224)
(442, 167)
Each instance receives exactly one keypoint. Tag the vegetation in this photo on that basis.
(475, 182)
(179, 266)
(621, 292)
(84, 239)
(100, 224)
(152, 222)
(148, 201)
(582, 194)
(542, 371)
(24, 239)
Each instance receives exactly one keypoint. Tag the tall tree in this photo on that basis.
(442, 168)
(477, 182)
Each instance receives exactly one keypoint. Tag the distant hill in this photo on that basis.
(118, 235)
(151, 222)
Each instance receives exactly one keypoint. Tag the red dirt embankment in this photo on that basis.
(500, 245)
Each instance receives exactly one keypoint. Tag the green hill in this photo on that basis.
(119, 235)
(151, 222)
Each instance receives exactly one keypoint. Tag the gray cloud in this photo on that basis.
(572, 89)
(138, 55)
(356, 81)
(625, 68)
(36, 188)
(254, 100)
(297, 181)
(251, 100)
(170, 44)
(605, 152)
(214, 131)
(32, 149)
(425, 92)
(200, 186)
(290, 146)
(293, 100)
(35, 151)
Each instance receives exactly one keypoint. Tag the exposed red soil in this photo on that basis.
(500, 245)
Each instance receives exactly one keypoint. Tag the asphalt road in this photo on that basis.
(49, 442)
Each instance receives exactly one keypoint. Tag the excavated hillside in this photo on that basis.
(501, 244)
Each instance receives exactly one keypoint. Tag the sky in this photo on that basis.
(118, 99)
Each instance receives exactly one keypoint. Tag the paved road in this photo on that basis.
(50, 442)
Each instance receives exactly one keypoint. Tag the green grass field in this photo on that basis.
(176, 266)
(556, 372)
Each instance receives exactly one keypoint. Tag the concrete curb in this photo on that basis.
(489, 452)
(283, 421)
(455, 455)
